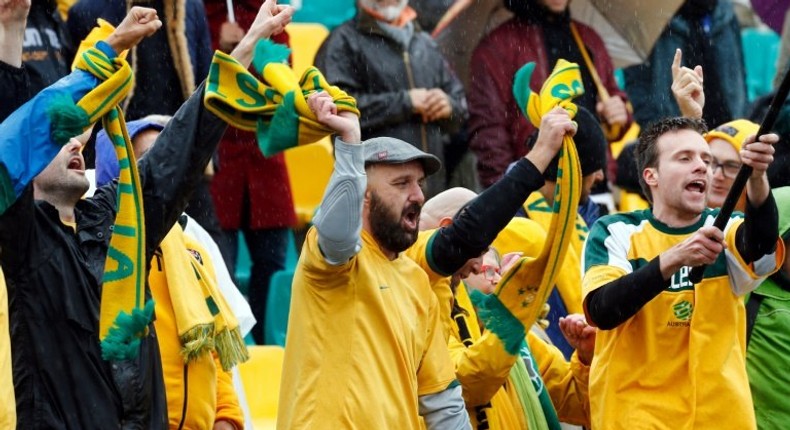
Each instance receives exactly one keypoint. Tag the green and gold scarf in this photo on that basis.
(526, 287)
(277, 107)
(124, 315)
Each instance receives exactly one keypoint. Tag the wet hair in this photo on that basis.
(647, 148)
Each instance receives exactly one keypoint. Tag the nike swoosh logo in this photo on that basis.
(383, 287)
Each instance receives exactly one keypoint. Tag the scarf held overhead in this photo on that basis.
(124, 316)
(524, 289)
(275, 108)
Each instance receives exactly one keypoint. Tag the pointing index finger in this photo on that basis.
(676, 63)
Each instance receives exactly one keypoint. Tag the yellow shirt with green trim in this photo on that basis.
(420, 253)
(569, 279)
(364, 341)
(679, 363)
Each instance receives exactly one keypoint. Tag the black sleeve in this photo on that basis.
(174, 166)
(16, 231)
(14, 87)
(476, 226)
(757, 235)
(612, 304)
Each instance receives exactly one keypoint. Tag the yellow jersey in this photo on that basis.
(679, 363)
(419, 252)
(569, 280)
(364, 341)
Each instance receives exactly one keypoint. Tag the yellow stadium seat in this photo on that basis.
(309, 169)
(632, 202)
(261, 378)
(305, 39)
(629, 136)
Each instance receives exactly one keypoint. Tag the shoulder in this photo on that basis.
(623, 220)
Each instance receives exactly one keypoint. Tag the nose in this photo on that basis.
(416, 195)
(74, 145)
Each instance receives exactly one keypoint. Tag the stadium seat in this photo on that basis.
(278, 307)
(243, 265)
(760, 52)
(631, 202)
(305, 39)
(309, 168)
(261, 378)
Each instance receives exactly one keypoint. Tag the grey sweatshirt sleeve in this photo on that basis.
(445, 410)
(339, 217)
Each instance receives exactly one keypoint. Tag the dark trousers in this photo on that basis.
(267, 253)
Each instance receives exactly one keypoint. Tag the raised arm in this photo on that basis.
(477, 226)
(171, 170)
(339, 217)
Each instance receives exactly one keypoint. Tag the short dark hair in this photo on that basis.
(647, 148)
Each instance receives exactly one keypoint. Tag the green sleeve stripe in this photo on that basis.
(430, 258)
(7, 194)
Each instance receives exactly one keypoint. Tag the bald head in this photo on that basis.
(444, 205)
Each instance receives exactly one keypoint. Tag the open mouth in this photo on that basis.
(697, 186)
(76, 164)
(411, 217)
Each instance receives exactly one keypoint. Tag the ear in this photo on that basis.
(445, 221)
(650, 175)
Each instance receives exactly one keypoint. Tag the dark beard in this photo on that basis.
(386, 227)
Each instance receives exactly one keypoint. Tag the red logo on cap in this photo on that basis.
(382, 155)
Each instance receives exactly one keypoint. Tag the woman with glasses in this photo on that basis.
(725, 144)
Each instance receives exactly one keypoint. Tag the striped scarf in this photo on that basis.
(525, 288)
(124, 316)
(276, 108)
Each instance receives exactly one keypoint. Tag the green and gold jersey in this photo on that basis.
(679, 362)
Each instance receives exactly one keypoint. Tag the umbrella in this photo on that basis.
(772, 12)
(629, 28)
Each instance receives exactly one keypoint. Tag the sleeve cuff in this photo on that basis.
(106, 49)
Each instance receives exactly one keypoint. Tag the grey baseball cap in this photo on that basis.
(395, 151)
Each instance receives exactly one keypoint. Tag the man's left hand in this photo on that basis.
(613, 111)
(759, 155)
(580, 336)
(224, 425)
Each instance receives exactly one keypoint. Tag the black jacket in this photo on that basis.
(54, 284)
(362, 60)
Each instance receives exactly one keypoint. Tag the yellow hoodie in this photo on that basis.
(198, 393)
(7, 399)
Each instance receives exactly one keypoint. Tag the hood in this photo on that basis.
(782, 197)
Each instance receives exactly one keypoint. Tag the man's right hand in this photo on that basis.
(701, 248)
(139, 23)
(554, 126)
(14, 11)
(687, 88)
(345, 124)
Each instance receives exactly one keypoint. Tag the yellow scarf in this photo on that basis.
(277, 107)
(124, 316)
(203, 319)
(526, 287)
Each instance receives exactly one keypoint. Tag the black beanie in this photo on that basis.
(590, 144)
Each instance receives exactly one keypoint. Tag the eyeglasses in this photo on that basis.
(489, 271)
(728, 168)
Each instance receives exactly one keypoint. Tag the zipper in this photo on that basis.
(186, 397)
(410, 77)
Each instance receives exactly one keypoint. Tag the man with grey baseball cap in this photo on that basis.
(365, 346)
